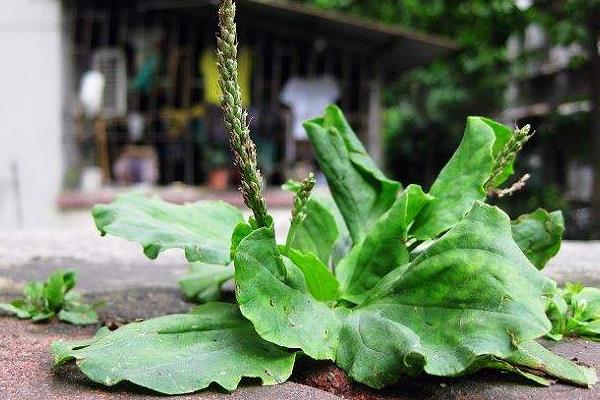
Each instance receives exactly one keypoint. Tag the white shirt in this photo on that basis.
(307, 98)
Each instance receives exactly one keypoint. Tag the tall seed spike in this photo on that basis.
(235, 117)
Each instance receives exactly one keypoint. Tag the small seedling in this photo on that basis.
(43, 301)
(575, 311)
(382, 279)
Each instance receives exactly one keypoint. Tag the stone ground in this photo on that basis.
(133, 287)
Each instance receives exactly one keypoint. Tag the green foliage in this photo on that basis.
(538, 235)
(348, 167)
(433, 282)
(203, 282)
(575, 311)
(437, 283)
(43, 301)
(282, 309)
(473, 279)
(384, 247)
(202, 229)
(462, 180)
(180, 353)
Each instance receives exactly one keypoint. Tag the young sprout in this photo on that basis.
(299, 210)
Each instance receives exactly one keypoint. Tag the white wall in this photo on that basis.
(30, 111)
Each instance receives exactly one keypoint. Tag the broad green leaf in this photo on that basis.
(282, 314)
(202, 229)
(17, 308)
(461, 181)
(361, 191)
(383, 248)
(180, 353)
(591, 330)
(203, 281)
(539, 235)
(535, 357)
(319, 280)
(79, 316)
(472, 293)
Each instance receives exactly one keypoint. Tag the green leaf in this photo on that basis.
(361, 191)
(320, 282)
(282, 314)
(79, 316)
(461, 182)
(203, 281)
(591, 296)
(539, 235)
(503, 134)
(535, 357)
(58, 284)
(34, 295)
(181, 353)
(202, 229)
(17, 308)
(42, 316)
(472, 293)
(383, 248)
(240, 231)
(590, 329)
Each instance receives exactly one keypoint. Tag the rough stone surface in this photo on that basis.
(27, 372)
(132, 287)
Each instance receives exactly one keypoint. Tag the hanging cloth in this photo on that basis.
(210, 74)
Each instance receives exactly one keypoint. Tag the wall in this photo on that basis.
(30, 112)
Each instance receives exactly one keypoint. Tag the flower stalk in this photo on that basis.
(235, 116)
(508, 154)
(299, 210)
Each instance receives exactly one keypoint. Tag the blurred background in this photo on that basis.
(98, 97)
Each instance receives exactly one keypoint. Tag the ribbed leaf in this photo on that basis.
(361, 191)
(535, 357)
(202, 229)
(383, 248)
(539, 235)
(180, 353)
(462, 180)
(271, 295)
(471, 293)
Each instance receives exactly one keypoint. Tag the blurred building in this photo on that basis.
(549, 89)
(125, 92)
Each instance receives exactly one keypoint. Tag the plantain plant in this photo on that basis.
(385, 280)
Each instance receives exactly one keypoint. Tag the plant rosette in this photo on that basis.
(382, 279)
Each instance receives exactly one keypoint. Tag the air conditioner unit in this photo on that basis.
(112, 64)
